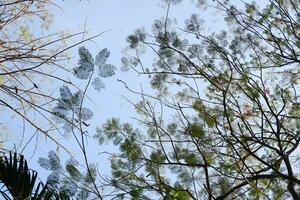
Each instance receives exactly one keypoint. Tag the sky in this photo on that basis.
(118, 18)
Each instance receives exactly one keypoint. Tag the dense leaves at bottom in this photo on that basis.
(19, 182)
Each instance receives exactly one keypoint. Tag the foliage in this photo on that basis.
(223, 123)
(233, 95)
(27, 59)
(69, 180)
(86, 66)
(69, 108)
(33, 66)
(19, 182)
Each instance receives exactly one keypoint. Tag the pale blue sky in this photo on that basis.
(121, 18)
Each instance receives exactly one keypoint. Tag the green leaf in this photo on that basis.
(191, 159)
(196, 131)
(209, 121)
(298, 43)
(181, 195)
(158, 156)
(73, 172)
(90, 177)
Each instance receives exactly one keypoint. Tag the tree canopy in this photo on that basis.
(30, 60)
(221, 119)
(224, 121)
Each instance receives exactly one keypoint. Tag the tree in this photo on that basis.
(68, 179)
(224, 122)
(19, 182)
(29, 59)
(69, 111)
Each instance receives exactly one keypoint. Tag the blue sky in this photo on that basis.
(119, 18)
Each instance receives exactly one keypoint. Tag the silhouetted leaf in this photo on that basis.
(107, 70)
(85, 64)
(101, 57)
(84, 113)
(98, 84)
(51, 163)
